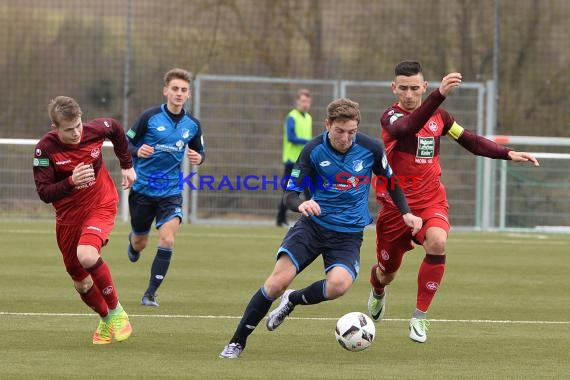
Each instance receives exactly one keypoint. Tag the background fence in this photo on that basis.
(244, 138)
(111, 55)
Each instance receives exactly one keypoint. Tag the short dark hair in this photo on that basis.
(343, 109)
(303, 92)
(408, 68)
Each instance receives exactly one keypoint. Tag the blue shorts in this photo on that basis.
(145, 209)
(306, 240)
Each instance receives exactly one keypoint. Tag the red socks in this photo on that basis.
(102, 279)
(95, 301)
(376, 285)
(429, 278)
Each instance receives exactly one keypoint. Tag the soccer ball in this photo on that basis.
(355, 331)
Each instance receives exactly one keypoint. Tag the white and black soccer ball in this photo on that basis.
(355, 331)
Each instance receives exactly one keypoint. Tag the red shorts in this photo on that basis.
(394, 238)
(93, 231)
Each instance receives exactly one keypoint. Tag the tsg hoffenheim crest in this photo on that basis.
(358, 165)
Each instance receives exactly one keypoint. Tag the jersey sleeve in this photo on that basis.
(138, 129)
(303, 173)
(382, 168)
(448, 121)
(399, 125)
(478, 145)
(48, 188)
(197, 142)
(116, 134)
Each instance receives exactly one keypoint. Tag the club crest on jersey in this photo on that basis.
(38, 152)
(95, 153)
(357, 165)
(432, 125)
(426, 147)
(185, 133)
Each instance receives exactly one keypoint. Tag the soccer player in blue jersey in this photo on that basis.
(157, 141)
(335, 166)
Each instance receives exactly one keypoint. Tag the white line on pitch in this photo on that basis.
(182, 316)
(508, 239)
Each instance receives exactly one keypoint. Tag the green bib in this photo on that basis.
(303, 130)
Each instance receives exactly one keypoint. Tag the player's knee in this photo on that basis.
(275, 286)
(84, 285)
(139, 242)
(87, 255)
(166, 241)
(337, 286)
(435, 245)
(386, 278)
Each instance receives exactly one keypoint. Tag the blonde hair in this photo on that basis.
(177, 74)
(63, 108)
(343, 109)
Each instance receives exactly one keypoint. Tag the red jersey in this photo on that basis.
(413, 151)
(54, 162)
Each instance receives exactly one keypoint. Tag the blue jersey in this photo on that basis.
(340, 182)
(168, 134)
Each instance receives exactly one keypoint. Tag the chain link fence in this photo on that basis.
(111, 55)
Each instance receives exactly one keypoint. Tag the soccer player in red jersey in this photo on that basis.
(411, 131)
(69, 172)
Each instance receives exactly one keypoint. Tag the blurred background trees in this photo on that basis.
(77, 48)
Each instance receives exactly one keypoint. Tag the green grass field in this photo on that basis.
(503, 312)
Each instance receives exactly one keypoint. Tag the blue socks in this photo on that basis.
(254, 312)
(158, 269)
(311, 295)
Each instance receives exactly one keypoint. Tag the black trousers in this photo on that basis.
(282, 210)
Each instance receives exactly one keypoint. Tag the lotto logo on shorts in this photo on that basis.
(108, 290)
(432, 285)
(385, 254)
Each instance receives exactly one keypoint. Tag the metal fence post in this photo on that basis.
(479, 160)
(503, 196)
(126, 90)
(488, 198)
(193, 194)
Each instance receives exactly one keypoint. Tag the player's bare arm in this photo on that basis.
(194, 157)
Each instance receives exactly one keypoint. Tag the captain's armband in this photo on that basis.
(455, 131)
